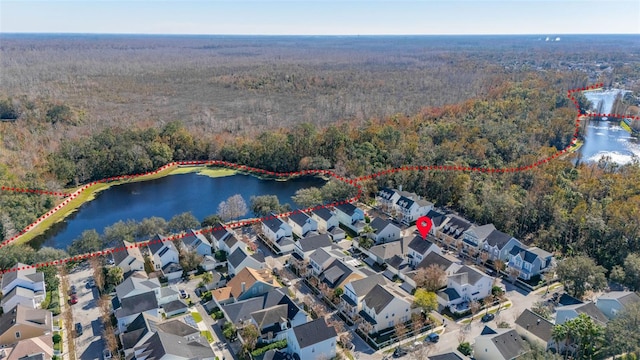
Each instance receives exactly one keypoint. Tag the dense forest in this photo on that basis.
(354, 106)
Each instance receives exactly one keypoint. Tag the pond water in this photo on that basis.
(165, 198)
(608, 138)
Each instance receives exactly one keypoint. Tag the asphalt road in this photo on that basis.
(89, 345)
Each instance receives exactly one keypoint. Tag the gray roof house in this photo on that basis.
(534, 328)
(384, 231)
(569, 312)
(498, 344)
(162, 345)
(313, 340)
(529, 261)
(613, 302)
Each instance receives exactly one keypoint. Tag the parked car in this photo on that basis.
(399, 352)
(106, 354)
(433, 337)
(183, 294)
(488, 317)
(91, 283)
(110, 261)
(72, 290)
(78, 329)
(73, 299)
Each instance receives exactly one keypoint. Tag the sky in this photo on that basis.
(322, 17)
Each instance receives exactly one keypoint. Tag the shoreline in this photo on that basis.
(92, 191)
(86, 193)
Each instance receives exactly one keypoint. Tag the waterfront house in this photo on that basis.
(350, 216)
(194, 241)
(279, 233)
(224, 238)
(301, 223)
(325, 218)
(128, 257)
(31, 284)
(162, 251)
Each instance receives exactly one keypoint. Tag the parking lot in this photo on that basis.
(89, 345)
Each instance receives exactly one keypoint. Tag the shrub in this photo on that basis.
(57, 338)
(206, 296)
(465, 348)
(280, 344)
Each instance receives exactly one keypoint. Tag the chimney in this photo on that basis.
(243, 286)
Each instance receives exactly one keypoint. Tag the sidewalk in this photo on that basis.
(63, 327)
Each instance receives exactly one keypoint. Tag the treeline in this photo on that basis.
(590, 209)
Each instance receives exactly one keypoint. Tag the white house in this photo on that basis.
(384, 231)
(224, 239)
(241, 259)
(137, 283)
(419, 248)
(301, 223)
(326, 219)
(196, 241)
(383, 307)
(132, 306)
(26, 278)
(386, 198)
(19, 295)
(498, 344)
(319, 260)
(529, 261)
(350, 216)
(535, 329)
(313, 340)
(128, 257)
(355, 291)
(279, 233)
(613, 302)
(465, 285)
(306, 246)
(163, 252)
(412, 207)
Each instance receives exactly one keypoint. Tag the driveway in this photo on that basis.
(89, 345)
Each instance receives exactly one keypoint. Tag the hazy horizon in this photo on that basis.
(321, 17)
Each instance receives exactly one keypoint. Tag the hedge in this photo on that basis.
(280, 344)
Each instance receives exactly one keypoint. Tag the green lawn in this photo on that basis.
(208, 335)
(196, 316)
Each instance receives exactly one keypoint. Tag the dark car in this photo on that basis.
(74, 299)
(183, 294)
(399, 352)
(433, 337)
(78, 329)
(488, 317)
(72, 290)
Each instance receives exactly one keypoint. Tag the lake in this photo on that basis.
(608, 138)
(165, 198)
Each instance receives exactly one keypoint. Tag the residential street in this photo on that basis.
(89, 345)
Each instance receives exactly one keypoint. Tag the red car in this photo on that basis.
(74, 299)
